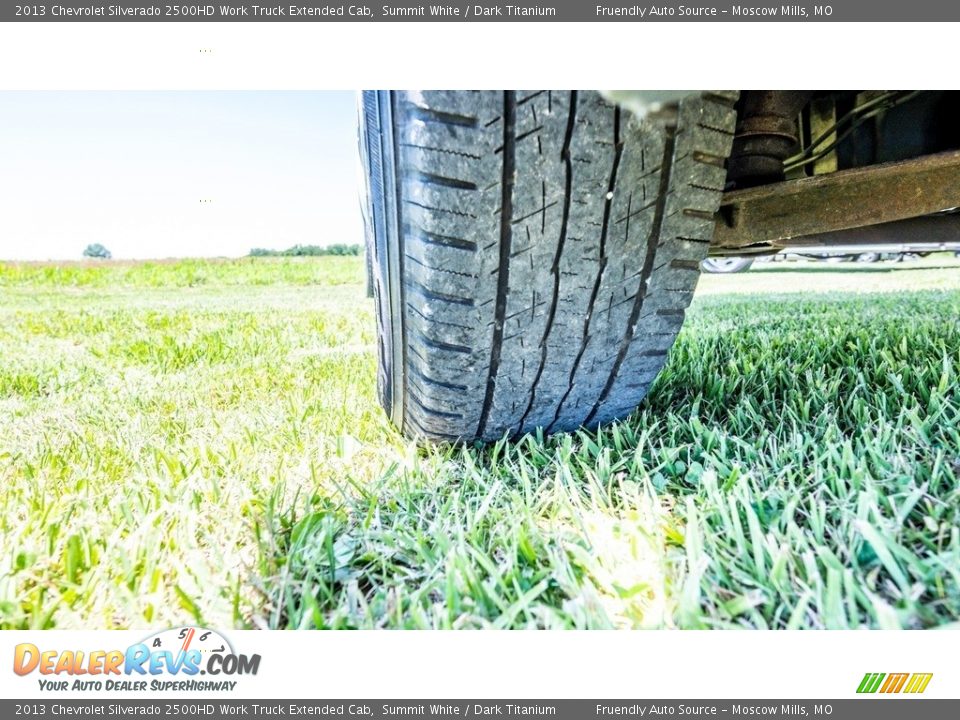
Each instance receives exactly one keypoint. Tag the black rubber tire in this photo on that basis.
(534, 252)
(725, 265)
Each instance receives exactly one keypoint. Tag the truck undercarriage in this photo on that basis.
(840, 169)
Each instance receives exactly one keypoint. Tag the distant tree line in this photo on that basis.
(309, 251)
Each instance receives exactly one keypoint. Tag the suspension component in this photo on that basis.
(767, 134)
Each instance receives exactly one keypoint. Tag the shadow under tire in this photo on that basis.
(533, 252)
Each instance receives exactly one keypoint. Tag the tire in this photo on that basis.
(368, 264)
(723, 265)
(534, 252)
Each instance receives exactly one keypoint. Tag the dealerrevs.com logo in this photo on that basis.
(170, 660)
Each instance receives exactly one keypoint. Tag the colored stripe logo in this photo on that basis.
(887, 683)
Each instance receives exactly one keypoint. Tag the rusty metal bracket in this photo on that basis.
(928, 230)
(769, 215)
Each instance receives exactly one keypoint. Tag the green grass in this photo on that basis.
(200, 441)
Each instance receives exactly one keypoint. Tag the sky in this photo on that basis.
(176, 174)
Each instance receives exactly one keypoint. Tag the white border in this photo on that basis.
(547, 665)
(151, 56)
